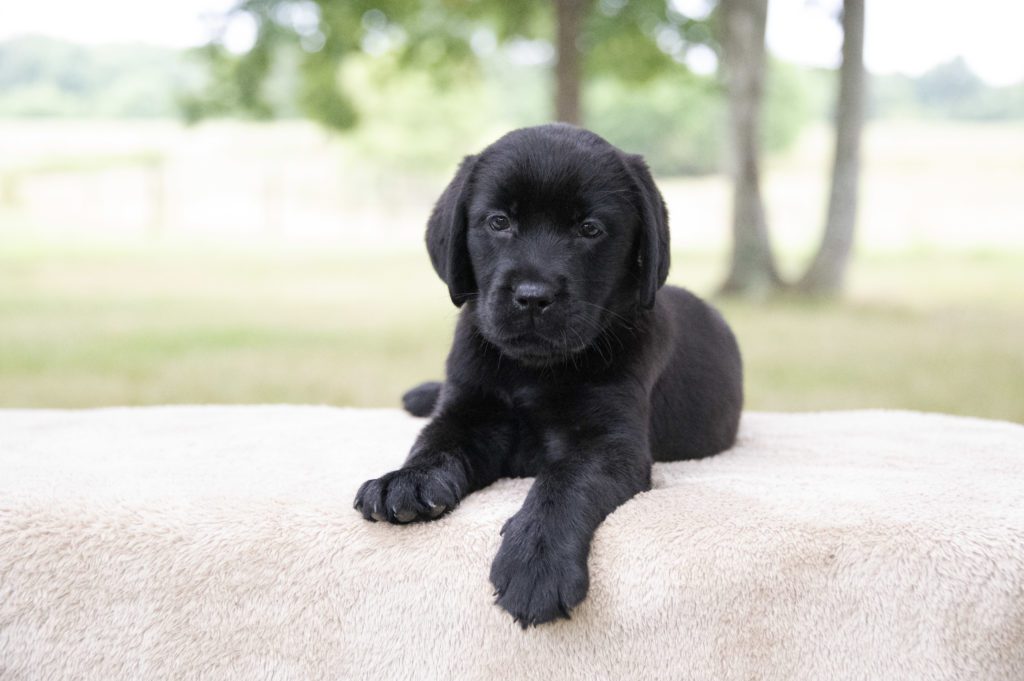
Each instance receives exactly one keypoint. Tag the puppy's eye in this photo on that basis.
(499, 223)
(590, 230)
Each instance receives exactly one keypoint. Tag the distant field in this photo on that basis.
(94, 326)
(927, 185)
(314, 287)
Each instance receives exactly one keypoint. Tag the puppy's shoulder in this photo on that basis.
(671, 299)
(682, 308)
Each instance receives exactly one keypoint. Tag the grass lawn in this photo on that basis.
(93, 326)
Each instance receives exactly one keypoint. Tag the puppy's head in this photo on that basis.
(550, 234)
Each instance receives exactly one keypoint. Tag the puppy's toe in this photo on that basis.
(369, 500)
(404, 515)
(439, 493)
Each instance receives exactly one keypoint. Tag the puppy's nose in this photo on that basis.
(533, 295)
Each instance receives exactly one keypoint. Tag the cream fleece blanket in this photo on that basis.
(220, 543)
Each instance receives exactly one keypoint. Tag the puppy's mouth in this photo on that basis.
(537, 349)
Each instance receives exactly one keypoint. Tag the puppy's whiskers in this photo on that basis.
(625, 321)
(603, 336)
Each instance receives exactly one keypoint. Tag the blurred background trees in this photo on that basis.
(752, 269)
(742, 29)
(827, 270)
(271, 249)
(646, 75)
(630, 42)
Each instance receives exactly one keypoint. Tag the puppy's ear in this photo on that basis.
(446, 235)
(653, 253)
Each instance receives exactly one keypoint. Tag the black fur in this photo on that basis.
(420, 400)
(571, 362)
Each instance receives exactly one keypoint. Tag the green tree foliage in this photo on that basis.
(320, 35)
(952, 90)
(949, 90)
(46, 77)
(677, 123)
(677, 120)
(672, 116)
(631, 40)
(636, 89)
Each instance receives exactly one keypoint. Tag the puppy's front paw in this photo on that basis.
(538, 578)
(410, 494)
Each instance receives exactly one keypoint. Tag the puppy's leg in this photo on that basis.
(461, 450)
(420, 401)
(540, 571)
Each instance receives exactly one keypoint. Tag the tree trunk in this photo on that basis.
(569, 16)
(752, 268)
(827, 271)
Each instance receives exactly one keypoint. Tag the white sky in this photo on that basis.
(909, 36)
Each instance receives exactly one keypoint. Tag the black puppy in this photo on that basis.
(569, 364)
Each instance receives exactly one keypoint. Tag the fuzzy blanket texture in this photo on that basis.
(220, 543)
